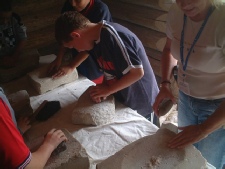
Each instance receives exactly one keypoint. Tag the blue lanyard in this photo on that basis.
(195, 40)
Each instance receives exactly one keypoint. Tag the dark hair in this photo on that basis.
(67, 23)
(5, 5)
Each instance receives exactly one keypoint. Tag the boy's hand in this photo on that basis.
(99, 93)
(54, 137)
(23, 124)
(62, 72)
(54, 66)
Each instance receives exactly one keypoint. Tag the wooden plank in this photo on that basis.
(150, 38)
(40, 20)
(157, 4)
(32, 7)
(153, 53)
(141, 15)
(40, 38)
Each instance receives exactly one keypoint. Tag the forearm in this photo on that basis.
(131, 77)
(167, 65)
(215, 121)
(61, 53)
(40, 157)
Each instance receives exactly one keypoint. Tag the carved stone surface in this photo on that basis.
(20, 102)
(151, 152)
(74, 156)
(90, 113)
(42, 83)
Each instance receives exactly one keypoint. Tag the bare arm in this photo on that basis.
(64, 70)
(167, 64)
(41, 156)
(101, 91)
(57, 62)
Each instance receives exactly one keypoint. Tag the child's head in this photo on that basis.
(67, 23)
(79, 5)
(5, 11)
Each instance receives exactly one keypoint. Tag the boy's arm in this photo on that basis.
(40, 157)
(57, 62)
(64, 70)
(128, 79)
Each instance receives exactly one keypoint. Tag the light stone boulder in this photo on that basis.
(42, 83)
(74, 156)
(89, 113)
(20, 102)
(151, 152)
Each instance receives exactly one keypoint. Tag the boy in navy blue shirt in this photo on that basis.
(95, 11)
(120, 55)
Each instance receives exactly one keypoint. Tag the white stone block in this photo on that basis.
(20, 102)
(42, 83)
(90, 113)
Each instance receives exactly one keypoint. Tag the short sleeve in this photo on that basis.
(13, 151)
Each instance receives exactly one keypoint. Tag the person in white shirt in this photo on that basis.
(196, 43)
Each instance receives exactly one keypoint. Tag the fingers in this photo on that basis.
(177, 142)
(59, 73)
(56, 135)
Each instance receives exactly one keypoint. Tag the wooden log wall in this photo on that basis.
(147, 19)
(39, 17)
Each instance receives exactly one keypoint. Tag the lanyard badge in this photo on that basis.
(185, 62)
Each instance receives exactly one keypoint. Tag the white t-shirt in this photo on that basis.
(205, 72)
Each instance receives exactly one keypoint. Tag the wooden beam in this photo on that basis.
(155, 66)
(157, 4)
(40, 20)
(32, 7)
(40, 38)
(141, 15)
(150, 38)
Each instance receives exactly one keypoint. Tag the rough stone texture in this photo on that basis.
(42, 83)
(20, 102)
(74, 156)
(90, 113)
(170, 117)
(151, 152)
(28, 61)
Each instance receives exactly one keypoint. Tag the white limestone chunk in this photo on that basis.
(89, 113)
(42, 83)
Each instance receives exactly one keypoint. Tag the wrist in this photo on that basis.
(165, 83)
(203, 130)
